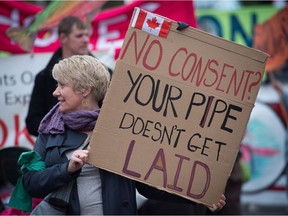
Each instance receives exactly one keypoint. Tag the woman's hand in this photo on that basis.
(78, 160)
(218, 206)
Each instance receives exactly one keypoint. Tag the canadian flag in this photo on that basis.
(151, 23)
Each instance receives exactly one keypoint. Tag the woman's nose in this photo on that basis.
(56, 92)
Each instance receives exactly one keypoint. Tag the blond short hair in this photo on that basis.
(81, 72)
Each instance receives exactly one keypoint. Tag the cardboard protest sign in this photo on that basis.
(177, 108)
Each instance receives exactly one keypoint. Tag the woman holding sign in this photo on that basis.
(66, 181)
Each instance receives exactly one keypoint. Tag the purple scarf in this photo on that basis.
(55, 121)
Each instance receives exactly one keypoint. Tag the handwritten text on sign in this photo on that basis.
(175, 113)
(192, 67)
(216, 114)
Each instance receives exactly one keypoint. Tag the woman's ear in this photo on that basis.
(87, 91)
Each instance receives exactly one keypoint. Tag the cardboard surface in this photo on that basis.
(176, 111)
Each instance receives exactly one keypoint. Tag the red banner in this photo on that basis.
(109, 26)
(14, 14)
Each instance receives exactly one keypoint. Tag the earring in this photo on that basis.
(84, 102)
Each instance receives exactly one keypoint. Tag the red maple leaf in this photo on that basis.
(152, 23)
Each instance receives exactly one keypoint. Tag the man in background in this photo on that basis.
(74, 38)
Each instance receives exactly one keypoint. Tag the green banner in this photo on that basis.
(234, 25)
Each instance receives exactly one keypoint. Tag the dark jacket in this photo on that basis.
(42, 99)
(118, 193)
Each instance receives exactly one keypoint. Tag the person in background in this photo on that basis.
(82, 82)
(74, 38)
